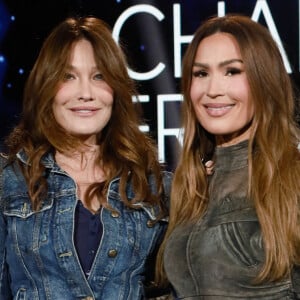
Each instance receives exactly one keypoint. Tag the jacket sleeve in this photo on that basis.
(167, 182)
(5, 292)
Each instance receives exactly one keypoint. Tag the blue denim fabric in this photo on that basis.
(38, 259)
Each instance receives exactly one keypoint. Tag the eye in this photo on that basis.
(200, 73)
(98, 76)
(233, 71)
(68, 76)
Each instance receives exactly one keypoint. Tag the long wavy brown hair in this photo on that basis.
(125, 150)
(274, 163)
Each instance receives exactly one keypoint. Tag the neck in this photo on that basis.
(78, 158)
(233, 139)
(83, 167)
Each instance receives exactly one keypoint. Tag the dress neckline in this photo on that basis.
(232, 157)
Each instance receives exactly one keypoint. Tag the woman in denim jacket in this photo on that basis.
(82, 203)
(235, 234)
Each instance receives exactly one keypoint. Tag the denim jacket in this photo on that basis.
(38, 259)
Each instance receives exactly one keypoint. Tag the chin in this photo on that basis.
(218, 131)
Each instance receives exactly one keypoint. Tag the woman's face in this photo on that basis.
(219, 89)
(83, 103)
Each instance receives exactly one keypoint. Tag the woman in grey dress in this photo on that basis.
(235, 234)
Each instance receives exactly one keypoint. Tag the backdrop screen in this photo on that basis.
(154, 35)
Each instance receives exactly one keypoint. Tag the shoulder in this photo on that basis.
(167, 175)
(167, 181)
(3, 161)
(167, 184)
(3, 158)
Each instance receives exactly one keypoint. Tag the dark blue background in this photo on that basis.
(25, 24)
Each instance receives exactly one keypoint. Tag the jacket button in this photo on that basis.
(115, 214)
(112, 253)
(150, 223)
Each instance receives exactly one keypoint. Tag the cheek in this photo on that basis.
(106, 98)
(250, 109)
(196, 95)
(56, 109)
(107, 92)
(58, 105)
(196, 92)
(110, 100)
(239, 89)
(61, 97)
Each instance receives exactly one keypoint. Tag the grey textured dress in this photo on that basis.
(220, 256)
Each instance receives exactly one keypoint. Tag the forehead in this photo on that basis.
(82, 50)
(218, 47)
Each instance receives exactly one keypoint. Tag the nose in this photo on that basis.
(215, 86)
(85, 91)
(85, 99)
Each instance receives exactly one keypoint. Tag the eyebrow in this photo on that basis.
(221, 64)
(74, 68)
(70, 68)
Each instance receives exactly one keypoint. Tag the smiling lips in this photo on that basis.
(84, 111)
(218, 109)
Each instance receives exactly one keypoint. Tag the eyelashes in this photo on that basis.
(233, 71)
(200, 73)
(227, 72)
(70, 76)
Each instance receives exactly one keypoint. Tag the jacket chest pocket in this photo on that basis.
(27, 229)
